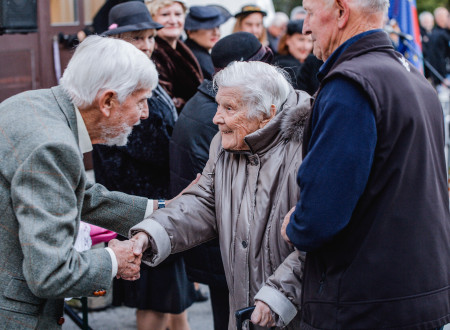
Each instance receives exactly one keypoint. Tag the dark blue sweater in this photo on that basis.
(335, 171)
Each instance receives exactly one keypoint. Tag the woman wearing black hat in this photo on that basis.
(250, 19)
(293, 49)
(202, 28)
(179, 71)
(142, 168)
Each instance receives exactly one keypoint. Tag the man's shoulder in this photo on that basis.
(35, 118)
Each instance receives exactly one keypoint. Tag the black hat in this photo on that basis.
(239, 46)
(130, 16)
(204, 17)
(295, 27)
(250, 9)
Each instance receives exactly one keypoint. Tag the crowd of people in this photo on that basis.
(298, 168)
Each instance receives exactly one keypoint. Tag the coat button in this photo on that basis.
(61, 321)
(244, 244)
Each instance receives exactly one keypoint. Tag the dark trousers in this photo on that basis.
(220, 306)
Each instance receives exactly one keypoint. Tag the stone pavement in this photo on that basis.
(123, 318)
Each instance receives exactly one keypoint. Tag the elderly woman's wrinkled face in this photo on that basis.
(232, 119)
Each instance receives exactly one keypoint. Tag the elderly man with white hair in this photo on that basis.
(276, 30)
(373, 214)
(246, 187)
(45, 191)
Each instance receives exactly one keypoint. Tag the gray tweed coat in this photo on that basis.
(43, 195)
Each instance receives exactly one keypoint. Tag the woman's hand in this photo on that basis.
(262, 315)
(284, 225)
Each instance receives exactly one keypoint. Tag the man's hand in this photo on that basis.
(127, 261)
(262, 315)
(181, 193)
(284, 225)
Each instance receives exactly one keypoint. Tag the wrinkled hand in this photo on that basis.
(262, 315)
(128, 262)
(140, 241)
(284, 225)
(182, 192)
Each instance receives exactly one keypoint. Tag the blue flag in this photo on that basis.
(404, 12)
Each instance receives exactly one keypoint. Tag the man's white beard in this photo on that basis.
(119, 140)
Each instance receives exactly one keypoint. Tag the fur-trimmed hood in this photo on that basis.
(288, 123)
(295, 113)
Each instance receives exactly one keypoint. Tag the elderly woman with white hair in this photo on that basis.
(246, 188)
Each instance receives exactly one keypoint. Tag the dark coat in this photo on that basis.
(179, 72)
(142, 166)
(291, 65)
(439, 56)
(189, 152)
(203, 58)
(362, 278)
(427, 49)
(307, 79)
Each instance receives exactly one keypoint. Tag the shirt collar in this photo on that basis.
(84, 141)
(326, 67)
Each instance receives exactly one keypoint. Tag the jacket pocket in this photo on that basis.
(19, 298)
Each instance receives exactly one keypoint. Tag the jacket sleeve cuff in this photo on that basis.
(278, 303)
(159, 241)
(115, 266)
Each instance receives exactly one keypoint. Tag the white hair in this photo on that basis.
(279, 19)
(424, 16)
(260, 84)
(374, 6)
(101, 63)
(296, 11)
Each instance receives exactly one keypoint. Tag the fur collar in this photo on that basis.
(295, 112)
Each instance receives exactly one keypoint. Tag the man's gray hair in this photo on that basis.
(279, 19)
(299, 10)
(374, 6)
(101, 63)
(260, 84)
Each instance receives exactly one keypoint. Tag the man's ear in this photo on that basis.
(107, 100)
(344, 13)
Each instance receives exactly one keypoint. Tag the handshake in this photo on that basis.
(129, 255)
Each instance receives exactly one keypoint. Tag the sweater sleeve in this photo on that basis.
(335, 171)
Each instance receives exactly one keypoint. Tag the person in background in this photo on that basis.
(142, 168)
(45, 191)
(440, 38)
(297, 13)
(293, 50)
(189, 151)
(250, 19)
(202, 29)
(373, 148)
(276, 30)
(426, 21)
(307, 78)
(179, 71)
